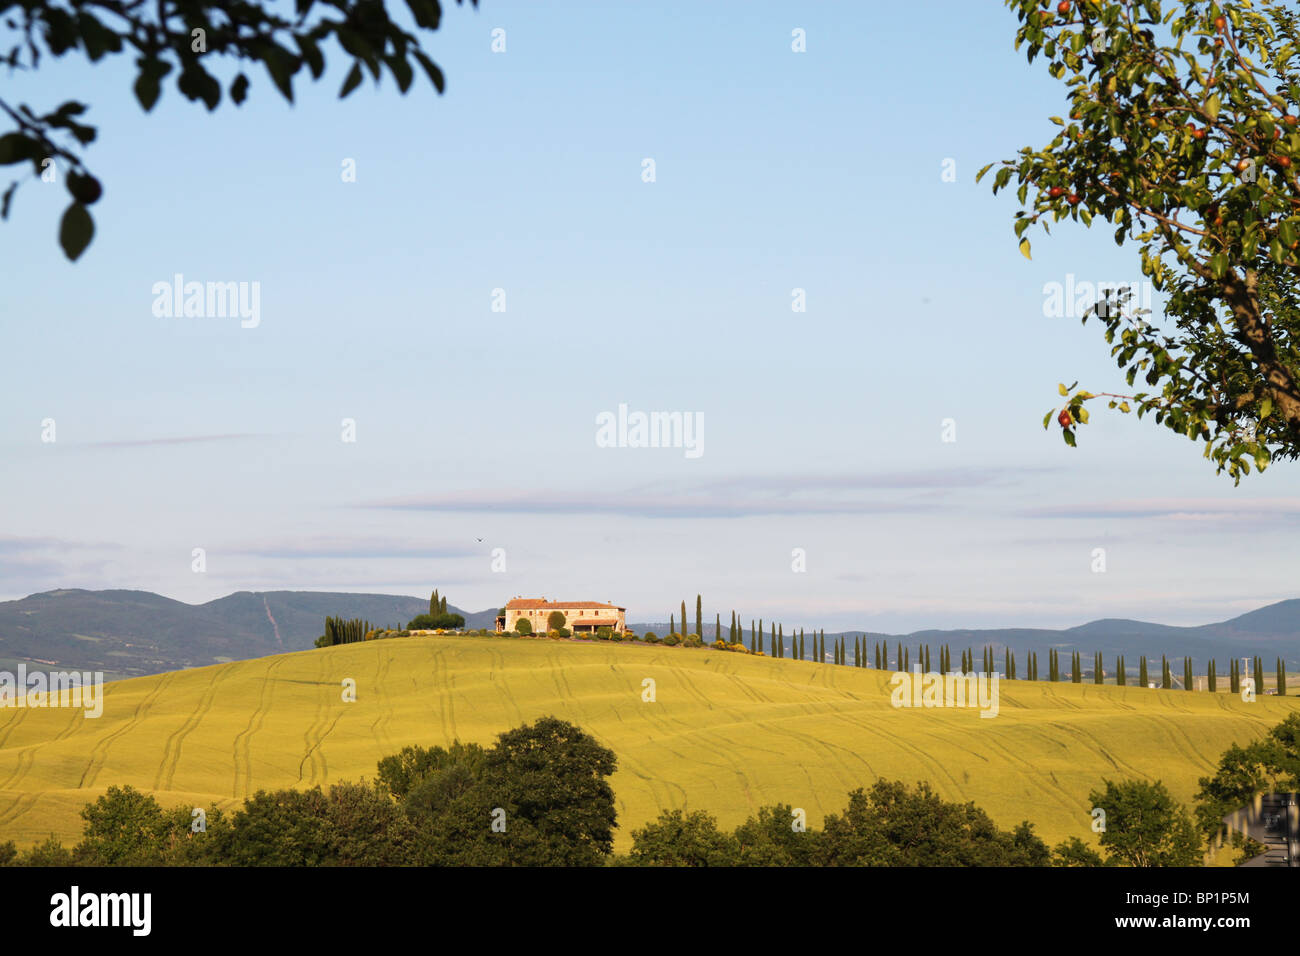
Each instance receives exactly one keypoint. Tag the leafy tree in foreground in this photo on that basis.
(200, 43)
(1145, 826)
(678, 839)
(1074, 852)
(1182, 136)
(892, 825)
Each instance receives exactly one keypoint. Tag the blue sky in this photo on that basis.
(774, 170)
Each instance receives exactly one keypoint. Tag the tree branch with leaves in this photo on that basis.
(1183, 134)
(185, 37)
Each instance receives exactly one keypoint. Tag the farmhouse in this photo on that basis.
(579, 616)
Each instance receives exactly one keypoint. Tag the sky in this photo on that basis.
(416, 401)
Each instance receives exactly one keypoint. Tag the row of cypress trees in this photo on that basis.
(770, 639)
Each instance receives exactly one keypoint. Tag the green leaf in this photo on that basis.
(75, 231)
(1212, 106)
(15, 147)
(435, 76)
(147, 84)
(1068, 435)
(1219, 265)
(352, 82)
(1024, 248)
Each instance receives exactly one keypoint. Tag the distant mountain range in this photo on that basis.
(127, 633)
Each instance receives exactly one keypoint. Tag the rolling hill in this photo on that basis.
(727, 732)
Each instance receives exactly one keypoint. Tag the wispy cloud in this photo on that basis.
(172, 440)
(732, 497)
(1175, 509)
(18, 545)
(353, 549)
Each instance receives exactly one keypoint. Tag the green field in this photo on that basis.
(727, 733)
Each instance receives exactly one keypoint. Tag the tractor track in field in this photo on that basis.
(315, 731)
(99, 752)
(379, 729)
(20, 806)
(26, 757)
(561, 681)
(1187, 746)
(78, 718)
(1053, 791)
(443, 681)
(172, 749)
(897, 740)
(499, 661)
(316, 754)
(12, 725)
(241, 751)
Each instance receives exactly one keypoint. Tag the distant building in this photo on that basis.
(579, 616)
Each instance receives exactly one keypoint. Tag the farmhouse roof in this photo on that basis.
(534, 604)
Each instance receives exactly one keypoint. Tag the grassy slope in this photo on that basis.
(727, 733)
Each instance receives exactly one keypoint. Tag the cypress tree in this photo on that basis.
(1281, 678)
(699, 617)
(907, 662)
(926, 664)
(1259, 676)
(1142, 671)
(684, 631)
(1076, 670)
(1234, 676)
(1098, 672)
(717, 628)
(1165, 679)
(1011, 664)
(1211, 678)
(672, 625)
(1189, 679)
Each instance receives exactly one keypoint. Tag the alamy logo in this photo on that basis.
(653, 430)
(1072, 300)
(55, 689)
(74, 908)
(208, 300)
(956, 689)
